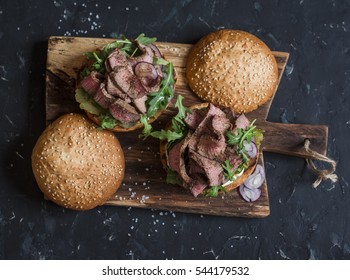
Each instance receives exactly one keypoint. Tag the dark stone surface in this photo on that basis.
(305, 223)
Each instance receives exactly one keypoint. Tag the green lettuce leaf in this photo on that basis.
(107, 121)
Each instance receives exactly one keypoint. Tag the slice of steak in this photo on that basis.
(102, 97)
(212, 148)
(113, 88)
(140, 104)
(123, 111)
(128, 82)
(219, 124)
(242, 122)
(91, 83)
(204, 126)
(154, 87)
(211, 142)
(230, 114)
(208, 138)
(198, 185)
(213, 170)
(193, 119)
(194, 168)
(115, 60)
(176, 159)
(136, 90)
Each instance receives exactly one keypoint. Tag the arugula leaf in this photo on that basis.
(234, 138)
(160, 61)
(147, 128)
(237, 139)
(178, 126)
(145, 40)
(242, 135)
(228, 173)
(213, 191)
(177, 121)
(159, 100)
(168, 135)
(182, 110)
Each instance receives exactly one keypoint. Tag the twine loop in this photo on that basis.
(323, 174)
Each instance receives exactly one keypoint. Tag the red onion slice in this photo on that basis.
(146, 72)
(251, 149)
(155, 50)
(249, 195)
(256, 179)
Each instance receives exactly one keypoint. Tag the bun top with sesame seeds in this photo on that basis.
(232, 68)
(77, 165)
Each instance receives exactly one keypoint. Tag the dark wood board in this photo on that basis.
(144, 183)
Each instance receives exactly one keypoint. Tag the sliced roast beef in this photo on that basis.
(194, 167)
(212, 169)
(210, 147)
(242, 122)
(193, 119)
(102, 97)
(113, 88)
(123, 111)
(136, 89)
(198, 185)
(219, 125)
(154, 87)
(91, 83)
(229, 114)
(176, 159)
(140, 104)
(204, 126)
(208, 138)
(117, 59)
(128, 82)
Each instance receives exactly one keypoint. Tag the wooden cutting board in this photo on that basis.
(144, 183)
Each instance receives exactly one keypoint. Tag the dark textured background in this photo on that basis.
(304, 223)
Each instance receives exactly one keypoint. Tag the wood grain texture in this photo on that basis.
(144, 183)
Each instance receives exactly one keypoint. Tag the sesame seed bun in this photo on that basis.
(235, 184)
(232, 68)
(77, 165)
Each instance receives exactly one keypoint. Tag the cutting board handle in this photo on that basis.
(289, 139)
